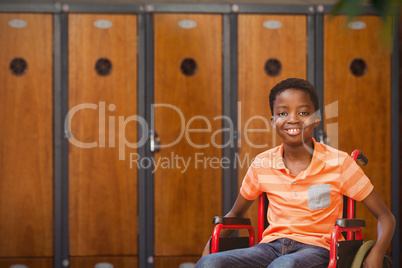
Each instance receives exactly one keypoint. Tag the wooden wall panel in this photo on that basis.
(90, 262)
(186, 200)
(162, 262)
(31, 263)
(363, 119)
(102, 188)
(26, 139)
(257, 44)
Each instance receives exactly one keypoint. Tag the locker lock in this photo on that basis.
(103, 66)
(18, 66)
(358, 67)
(188, 66)
(273, 67)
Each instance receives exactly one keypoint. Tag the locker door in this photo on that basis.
(271, 49)
(188, 90)
(26, 137)
(357, 75)
(27, 262)
(104, 262)
(102, 103)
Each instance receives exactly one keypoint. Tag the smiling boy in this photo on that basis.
(305, 183)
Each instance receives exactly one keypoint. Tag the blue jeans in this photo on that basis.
(276, 254)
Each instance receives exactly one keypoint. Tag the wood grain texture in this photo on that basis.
(186, 200)
(102, 188)
(257, 44)
(26, 138)
(118, 262)
(162, 262)
(30, 262)
(364, 104)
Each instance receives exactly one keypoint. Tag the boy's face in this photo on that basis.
(294, 117)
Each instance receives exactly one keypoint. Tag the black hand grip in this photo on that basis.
(231, 220)
(350, 223)
(362, 159)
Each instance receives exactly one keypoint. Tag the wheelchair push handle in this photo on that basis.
(358, 155)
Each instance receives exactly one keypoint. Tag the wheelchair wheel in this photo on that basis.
(362, 253)
(387, 263)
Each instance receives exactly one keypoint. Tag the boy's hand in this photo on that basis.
(373, 260)
(385, 229)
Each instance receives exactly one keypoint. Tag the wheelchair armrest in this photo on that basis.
(234, 223)
(350, 223)
(231, 221)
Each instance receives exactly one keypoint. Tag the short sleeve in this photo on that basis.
(250, 187)
(354, 183)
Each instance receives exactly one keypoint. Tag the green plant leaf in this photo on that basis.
(381, 6)
(353, 7)
(338, 7)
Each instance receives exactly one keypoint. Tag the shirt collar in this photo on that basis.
(317, 161)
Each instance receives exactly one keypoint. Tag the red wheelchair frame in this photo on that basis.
(350, 225)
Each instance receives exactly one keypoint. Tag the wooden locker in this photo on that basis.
(104, 262)
(357, 84)
(271, 48)
(176, 261)
(102, 105)
(28, 262)
(188, 82)
(26, 135)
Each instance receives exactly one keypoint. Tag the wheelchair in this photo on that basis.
(348, 253)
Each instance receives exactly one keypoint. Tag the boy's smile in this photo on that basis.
(293, 131)
(292, 119)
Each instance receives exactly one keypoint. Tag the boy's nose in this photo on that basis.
(293, 118)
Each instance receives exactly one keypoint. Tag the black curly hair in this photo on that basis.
(293, 83)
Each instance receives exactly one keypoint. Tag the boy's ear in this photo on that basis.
(273, 122)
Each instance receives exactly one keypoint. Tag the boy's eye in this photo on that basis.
(304, 113)
(282, 114)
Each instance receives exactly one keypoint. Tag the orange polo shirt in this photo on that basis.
(305, 207)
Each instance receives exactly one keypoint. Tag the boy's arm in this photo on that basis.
(385, 229)
(239, 208)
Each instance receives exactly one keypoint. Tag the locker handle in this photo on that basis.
(155, 141)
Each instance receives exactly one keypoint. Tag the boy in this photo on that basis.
(304, 181)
